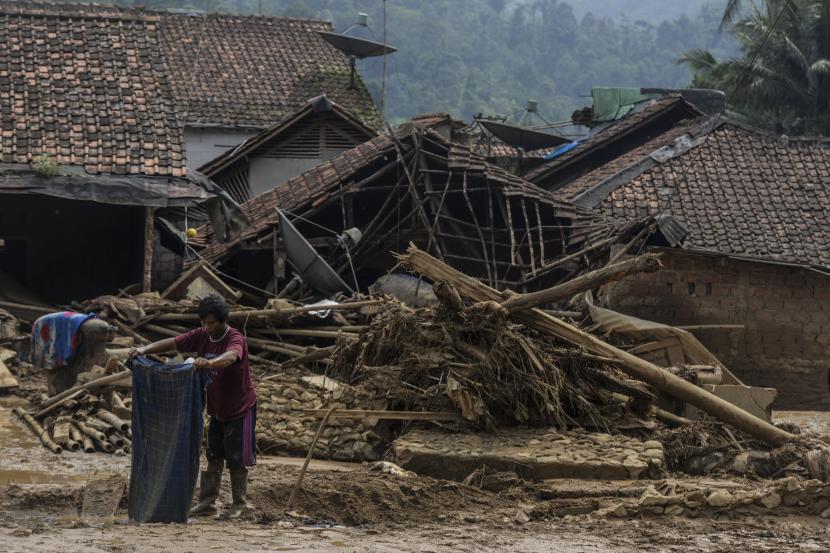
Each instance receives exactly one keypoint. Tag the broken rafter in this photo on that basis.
(647, 263)
(529, 238)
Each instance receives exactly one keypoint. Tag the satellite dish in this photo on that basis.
(522, 137)
(356, 48)
(307, 262)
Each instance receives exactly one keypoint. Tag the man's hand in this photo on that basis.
(134, 352)
(202, 364)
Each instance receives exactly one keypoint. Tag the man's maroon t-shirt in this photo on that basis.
(231, 391)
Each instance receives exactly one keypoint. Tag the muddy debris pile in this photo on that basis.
(286, 427)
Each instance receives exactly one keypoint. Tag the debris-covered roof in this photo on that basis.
(86, 87)
(520, 219)
(741, 191)
(234, 70)
(650, 119)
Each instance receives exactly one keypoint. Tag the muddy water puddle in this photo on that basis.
(12, 432)
(37, 477)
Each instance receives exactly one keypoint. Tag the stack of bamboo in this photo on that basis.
(92, 417)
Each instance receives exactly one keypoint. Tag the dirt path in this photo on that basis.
(570, 535)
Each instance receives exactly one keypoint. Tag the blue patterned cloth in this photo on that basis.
(167, 423)
(55, 338)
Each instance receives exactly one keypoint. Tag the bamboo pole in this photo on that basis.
(109, 418)
(97, 383)
(38, 430)
(647, 263)
(426, 265)
(274, 313)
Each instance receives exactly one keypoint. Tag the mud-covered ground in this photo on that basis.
(347, 507)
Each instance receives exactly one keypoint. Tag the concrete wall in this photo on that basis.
(786, 342)
(167, 265)
(265, 173)
(204, 144)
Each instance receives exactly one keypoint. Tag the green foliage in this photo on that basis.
(782, 76)
(490, 56)
(45, 166)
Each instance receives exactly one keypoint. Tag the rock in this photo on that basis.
(673, 510)
(635, 467)
(600, 437)
(471, 519)
(521, 517)
(720, 499)
(771, 501)
(653, 444)
(654, 453)
(289, 393)
(651, 497)
(324, 383)
(825, 513)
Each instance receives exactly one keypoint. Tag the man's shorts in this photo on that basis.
(233, 441)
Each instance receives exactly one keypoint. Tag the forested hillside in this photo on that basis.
(489, 56)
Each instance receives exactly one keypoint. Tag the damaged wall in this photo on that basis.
(71, 250)
(786, 339)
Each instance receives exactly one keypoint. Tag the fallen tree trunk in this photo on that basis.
(647, 263)
(426, 265)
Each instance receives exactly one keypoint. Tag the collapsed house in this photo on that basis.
(751, 280)
(409, 185)
(317, 132)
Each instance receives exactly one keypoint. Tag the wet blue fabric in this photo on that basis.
(55, 338)
(167, 423)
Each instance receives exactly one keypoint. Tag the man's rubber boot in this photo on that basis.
(208, 492)
(239, 492)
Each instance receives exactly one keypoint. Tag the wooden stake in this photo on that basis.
(149, 213)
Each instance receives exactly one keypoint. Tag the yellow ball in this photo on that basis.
(191, 232)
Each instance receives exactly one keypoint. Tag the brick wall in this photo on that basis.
(786, 312)
(167, 265)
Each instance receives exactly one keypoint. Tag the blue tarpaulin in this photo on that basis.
(167, 423)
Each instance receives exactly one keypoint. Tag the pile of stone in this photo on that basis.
(786, 496)
(286, 427)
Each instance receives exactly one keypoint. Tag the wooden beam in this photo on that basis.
(387, 415)
(146, 281)
(647, 263)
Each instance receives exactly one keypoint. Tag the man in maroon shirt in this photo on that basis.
(231, 402)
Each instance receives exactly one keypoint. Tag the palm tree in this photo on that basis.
(783, 74)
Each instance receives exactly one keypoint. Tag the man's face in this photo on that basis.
(213, 326)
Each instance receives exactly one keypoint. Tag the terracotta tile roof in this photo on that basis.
(109, 88)
(316, 185)
(580, 185)
(253, 71)
(741, 192)
(501, 150)
(649, 113)
(86, 87)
